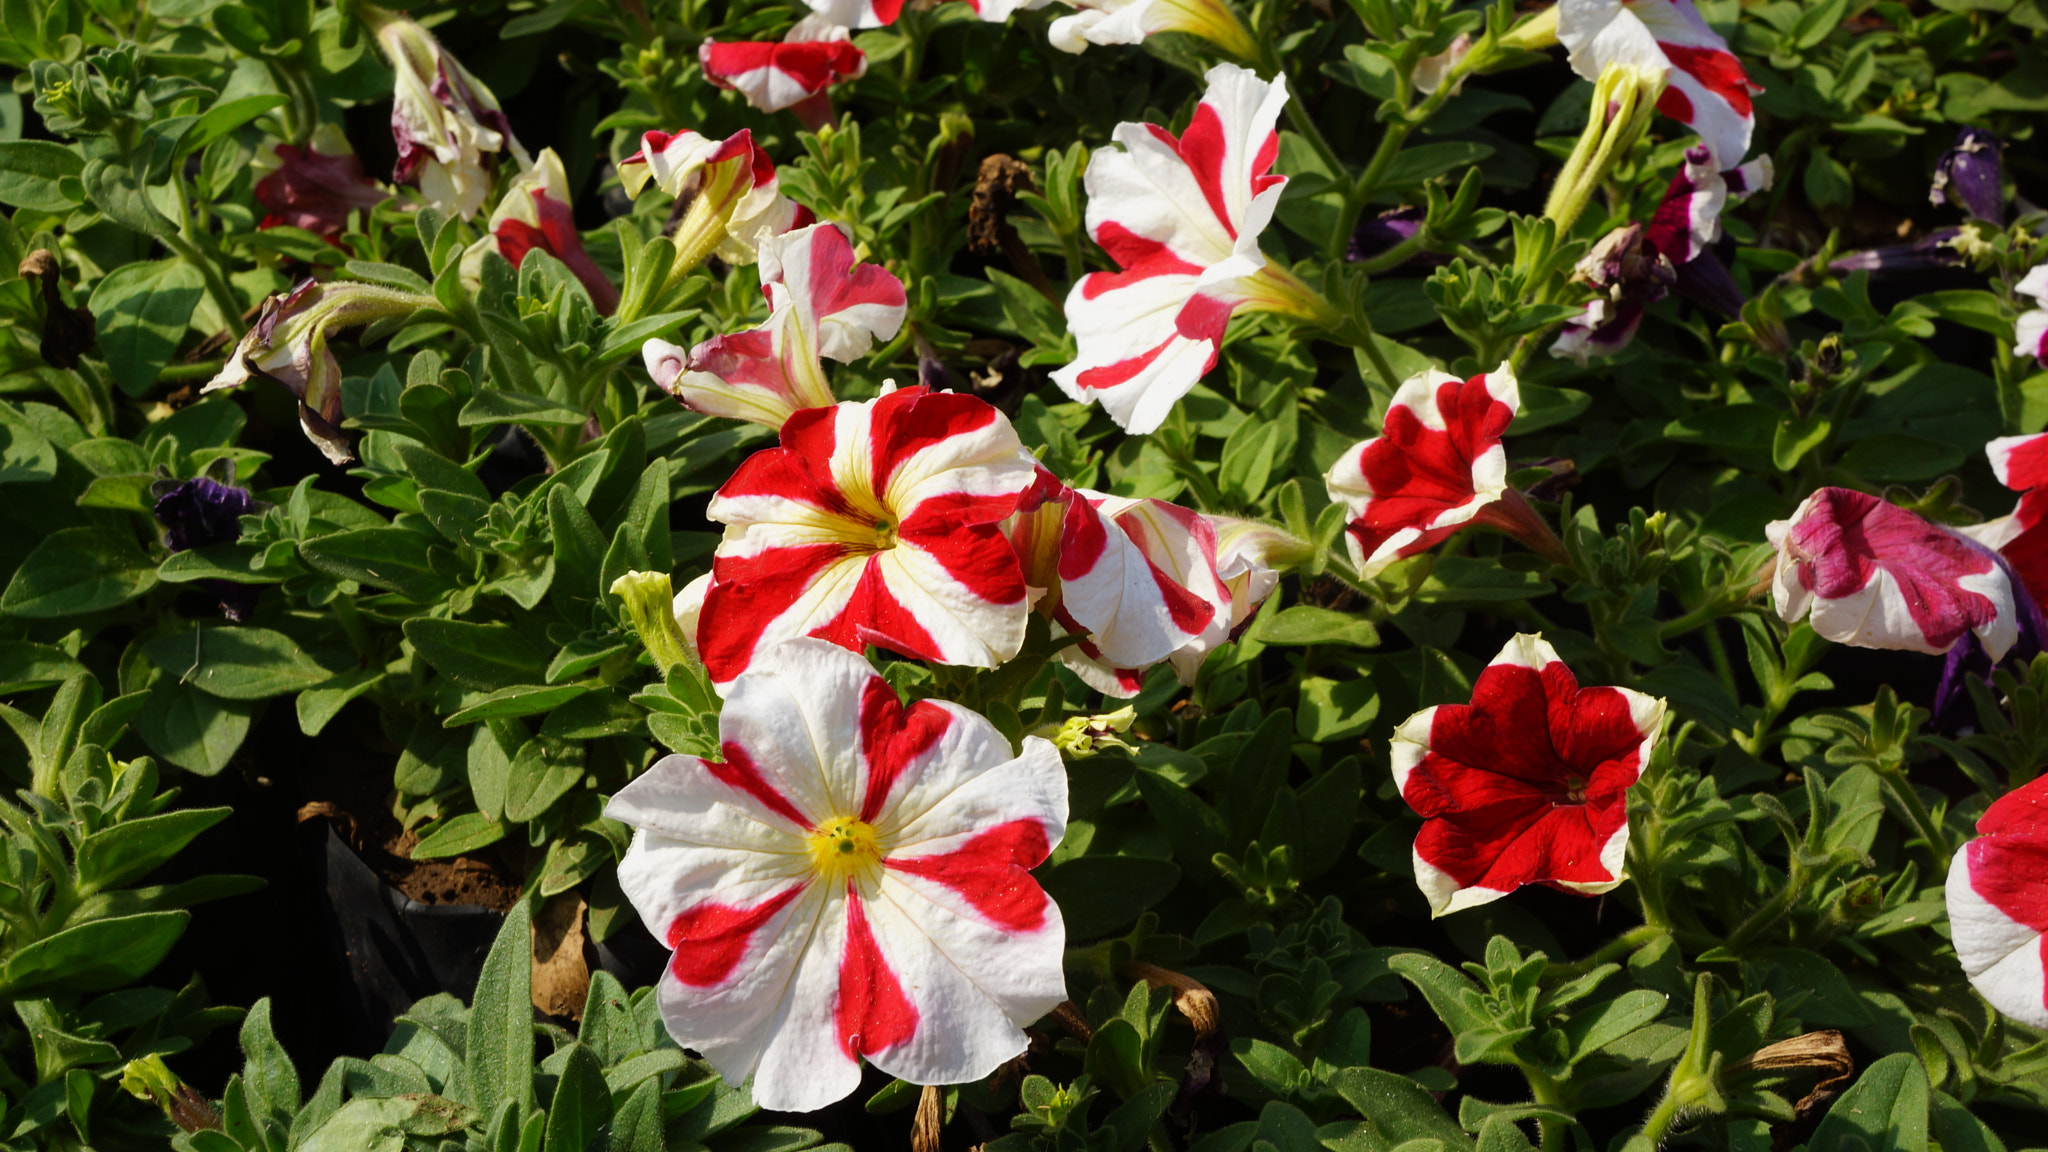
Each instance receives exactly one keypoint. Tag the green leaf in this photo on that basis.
(391, 558)
(1248, 459)
(1308, 624)
(113, 190)
(499, 1051)
(462, 833)
(637, 1125)
(1543, 406)
(25, 456)
(493, 406)
(1099, 894)
(33, 172)
(197, 732)
(1886, 1111)
(78, 570)
(1461, 579)
(267, 1072)
(1396, 1108)
(543, 772)
(95, 956)
(518, 700)
(324, 701)
(627, 339)
(223, 118)
(1335, 709)
(482, 657)
(125, 852)
(582, 1104)
(24, 666)
(1594, 1028)
(237, 663)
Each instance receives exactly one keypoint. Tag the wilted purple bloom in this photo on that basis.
(1630, 275)
(1934, 250)
(199, 511)
(1967, 176)
(203, 511)
(448, 126)
(1705, 281)
(1383, 232)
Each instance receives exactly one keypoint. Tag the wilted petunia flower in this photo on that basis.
(203, 511)
(1708, 90)
(1937, 249)
(850, 881)
(1131, 21)
(1874, 575)
(792, 73)
(1527, 784)
(1430, 70)
(314, 187)
(1634, 266)
(821, 304)
(1998, 907)
(876, 522)
(1968, 174)
(534, 214)
(736, 198)
(448, 127)
(1182, 217)
(288, 344)
(1437, 466)
(1250, 555)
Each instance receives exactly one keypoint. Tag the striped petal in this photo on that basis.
(1707, 91)
(1996, 905)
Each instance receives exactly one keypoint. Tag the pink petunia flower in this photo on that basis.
(448, 126)
(314, 187)
(850, 881)
(2021, 464)
(534, 214)
(1437, 466)
(1998, 907)
(1708, 90)
(1873, 575)
(1182, 218)
(876, 522)
(821, 306)
(793, 73)
(1528, 784)
(736, 198)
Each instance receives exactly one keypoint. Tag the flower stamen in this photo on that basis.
(844, 848)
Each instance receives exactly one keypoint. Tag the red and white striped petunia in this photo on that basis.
(737, 199)
(1181, 217)
(821, 305)
(1437, 466)
(2021, 536)
(876, 522)
(1998, 907)
(791, 73)
(1135, 578)
(1527, 784)
(878, 13)
(534, 214)
(1131, 21)
(849, 881)
(2030, 331)
(1870, 574)
(1708, 90)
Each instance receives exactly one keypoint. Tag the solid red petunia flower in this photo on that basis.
(1998, 907)
(1437, 466)
(1528, 784)
(793, 73)
(850, 880)
(876, 522)
(1874, 575)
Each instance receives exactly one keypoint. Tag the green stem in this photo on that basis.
(1775, 909)
(1393, 257)
(1900, 790)
(1660, 1120)
(1544, 1090)
(1633, 940)
(202, 370)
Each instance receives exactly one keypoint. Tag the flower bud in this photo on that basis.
(448, 126)
(1968, 176)
(650, 602)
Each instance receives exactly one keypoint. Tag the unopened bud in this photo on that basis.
(650, 602)
(152, 1080)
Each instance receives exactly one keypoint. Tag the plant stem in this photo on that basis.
(1900, 790)
(216, 288)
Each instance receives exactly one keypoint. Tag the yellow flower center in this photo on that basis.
(885, 534)
(844, 848)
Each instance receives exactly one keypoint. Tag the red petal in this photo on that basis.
(990, 871)
(710, 939)
(872, 1014)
